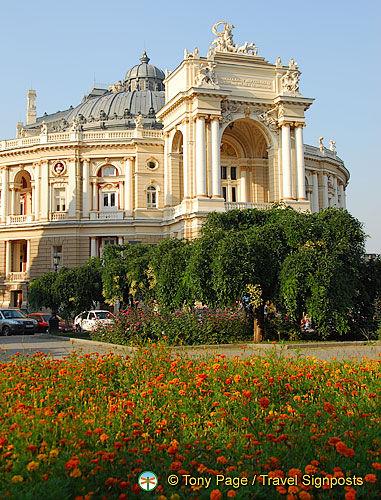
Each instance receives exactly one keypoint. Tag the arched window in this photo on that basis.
(151, 197)
(108, 171)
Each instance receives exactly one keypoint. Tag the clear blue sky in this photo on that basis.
(59, 48)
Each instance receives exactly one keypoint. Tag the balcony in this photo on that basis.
(19, 219)
(107, 215)
(21, 276)
(54, 216)
(239, 205)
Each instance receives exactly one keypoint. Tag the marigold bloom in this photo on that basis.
(17, 479)
(376, 465)
(341, 447)
(231, 494)
(350, 494)
(103, 437)
(304, 495)
(75, 473)
(264, 402)
(32, 466)
(215, 495)
(370, 478)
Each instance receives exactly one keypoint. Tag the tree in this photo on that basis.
(70, 291)
(124, 273)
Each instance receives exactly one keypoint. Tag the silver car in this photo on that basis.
(13, 321)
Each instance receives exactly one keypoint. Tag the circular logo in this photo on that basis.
(148, 480)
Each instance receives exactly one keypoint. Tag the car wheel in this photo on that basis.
(6, 331)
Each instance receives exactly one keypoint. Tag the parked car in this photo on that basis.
(13, 321)
(43, 322)
(89, 320)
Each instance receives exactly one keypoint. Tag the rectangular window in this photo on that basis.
(105, 200)
(234, 197)
(112, 200)
(224, 192)
(233, 173)
(223, 173)
(60, 200)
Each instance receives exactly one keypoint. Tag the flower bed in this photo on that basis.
(140, 325)
(264, 428)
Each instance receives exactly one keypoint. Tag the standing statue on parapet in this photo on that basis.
(332, 146)
(321, 145)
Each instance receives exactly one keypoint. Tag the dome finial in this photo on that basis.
(144, 58)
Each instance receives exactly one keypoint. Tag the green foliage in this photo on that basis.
(145, 324)
(69, 290)
(123, 273)
(168, 262)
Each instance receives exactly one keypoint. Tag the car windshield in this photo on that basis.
(46, 317)
(103, 315)
(12, 314)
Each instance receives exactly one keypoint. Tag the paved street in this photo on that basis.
(59, 348)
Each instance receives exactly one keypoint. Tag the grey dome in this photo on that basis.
(141, 93)
(144, 71)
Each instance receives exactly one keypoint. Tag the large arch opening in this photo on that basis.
(244, 163)
(22, 200)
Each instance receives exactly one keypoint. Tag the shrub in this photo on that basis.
(143, 324)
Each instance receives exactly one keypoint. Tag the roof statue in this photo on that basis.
(224, 42)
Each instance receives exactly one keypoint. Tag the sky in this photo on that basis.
(60, 49)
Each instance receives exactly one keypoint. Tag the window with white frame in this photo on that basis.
(151, 197)
(59, 200)
(109, 171)
(109, 199)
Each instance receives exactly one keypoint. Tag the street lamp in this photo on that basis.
(53, 320)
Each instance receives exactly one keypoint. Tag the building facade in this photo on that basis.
(150, 156)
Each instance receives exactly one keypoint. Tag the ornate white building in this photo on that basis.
(150, 157)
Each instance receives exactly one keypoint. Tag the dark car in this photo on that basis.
(43, 322)
(13, 321)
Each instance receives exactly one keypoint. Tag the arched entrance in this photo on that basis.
(244, 163)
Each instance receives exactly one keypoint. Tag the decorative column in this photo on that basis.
(36, 191)
(93, 247)
(28, 258)
(8, 257)
(44, 194)
(343, 201)
(286, 162)
(341, 195)
(167, 170)
(300, 169)
(315, 192)
(243, 182)
(185, 132)
(336, 197)
(33, 197)
(13, 196)
(128, 206)
(216, 170)
(200, 157)
(95, 195)
(72, 189)
(325, 190)
(86, 188)
(4, 193)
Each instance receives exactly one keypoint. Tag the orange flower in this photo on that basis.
(310, 469)
(103, 437)
(75, 473)
(32, 466)
(303, 495)
(350, 494)
(222, 460)
(293, 489)
(370, 478)
(341, 447)
(215, 495)
(17, 479)
(175, 465)
(264, 402)
(376, 465)
(231, 494)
